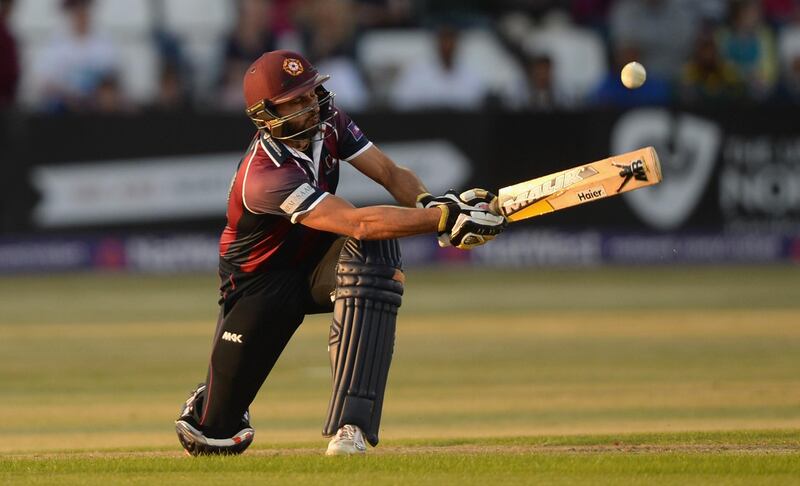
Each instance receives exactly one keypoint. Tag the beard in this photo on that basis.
(310, 125)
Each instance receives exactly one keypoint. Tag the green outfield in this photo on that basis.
(600, 376)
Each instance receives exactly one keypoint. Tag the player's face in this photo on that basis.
(302, 122)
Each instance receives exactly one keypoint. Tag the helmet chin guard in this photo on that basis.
(265, 117)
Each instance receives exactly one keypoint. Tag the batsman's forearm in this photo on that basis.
(386, 222)
(405, 186)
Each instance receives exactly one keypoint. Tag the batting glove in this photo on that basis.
(427, 200)
(466, 227)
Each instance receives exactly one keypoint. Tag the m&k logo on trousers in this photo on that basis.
(234, 338)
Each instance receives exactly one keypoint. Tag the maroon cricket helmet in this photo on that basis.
(279, 76)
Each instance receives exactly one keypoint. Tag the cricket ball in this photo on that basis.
(633, 75)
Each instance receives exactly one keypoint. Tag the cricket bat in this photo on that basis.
(579, 185)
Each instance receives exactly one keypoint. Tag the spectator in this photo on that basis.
(748, 43)
(707, 77)
(439, 83)
(662, 30)
(250, 38)
(329, 28)
(385, 13)
(611, 92)
(579, 55)
(173, 91)
(709, 11)
(75, 63)
(591, 13)
(543, 91)
(109, 97)
(788, 89)
(9, 61)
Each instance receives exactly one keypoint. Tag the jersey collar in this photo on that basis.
(279, 151)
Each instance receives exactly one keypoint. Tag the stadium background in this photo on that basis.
(139, 130)
(671, 309)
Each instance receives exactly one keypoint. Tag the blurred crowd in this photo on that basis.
(402, 54)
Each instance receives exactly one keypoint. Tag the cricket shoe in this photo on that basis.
(193, 440)
(349, 440)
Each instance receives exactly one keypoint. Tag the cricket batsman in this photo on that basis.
(291, 248)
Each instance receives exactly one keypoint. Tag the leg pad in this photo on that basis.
(369, 289)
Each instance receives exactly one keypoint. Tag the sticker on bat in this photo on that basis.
(593, 193)
(547, 188)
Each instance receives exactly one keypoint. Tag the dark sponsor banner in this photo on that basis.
(165, 189)
(138, 253)
(172, 253)
(700, 249)
(61, 254)
(541, 248)
(518, 248)
(534, 247)
(737, 172)
(724, 171)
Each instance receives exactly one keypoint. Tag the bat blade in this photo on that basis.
(580, 185)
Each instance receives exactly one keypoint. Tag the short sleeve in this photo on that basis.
(282, 191)
(352, 142)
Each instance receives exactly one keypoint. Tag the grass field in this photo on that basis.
(605, 376)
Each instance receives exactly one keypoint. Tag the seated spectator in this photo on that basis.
(250, 38)
(748, 43)
(707, 77)
(385, 13)
(109, 98)
(439, 83)
(709, 11)
(579, 55)
(612, 93)
(283, 21)
(543, 91)
(75, 63)
(329, 28)
(591, 13)
(788, 89)
(9, 61)
(662, 30)
(173, 90)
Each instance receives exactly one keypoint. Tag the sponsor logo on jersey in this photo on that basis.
(273, 145)
(547, 188)
(298, 197)
(593, 193)
(293, 66)
(355, 131)
(234, 338)
(330, 162)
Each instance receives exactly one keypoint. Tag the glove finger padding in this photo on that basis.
(427, 200)
(480, 198)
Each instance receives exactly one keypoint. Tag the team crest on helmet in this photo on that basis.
(293, 66)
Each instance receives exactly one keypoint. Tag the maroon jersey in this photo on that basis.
(274, 184)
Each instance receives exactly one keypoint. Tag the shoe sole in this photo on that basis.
(344, 452)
